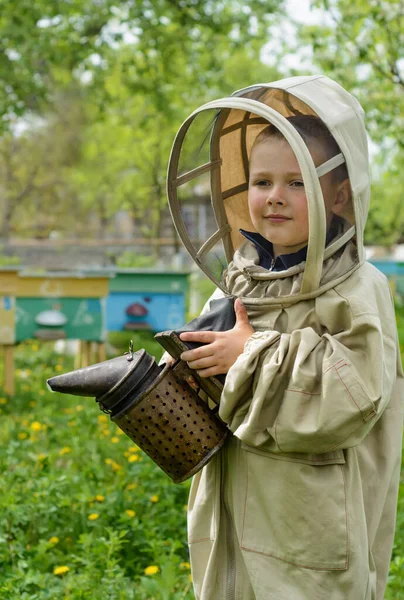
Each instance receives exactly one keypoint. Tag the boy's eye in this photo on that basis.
(262, 183)
(297, 183)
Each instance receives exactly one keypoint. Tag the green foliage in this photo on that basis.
(111, 84)
(48, 44)
(77, 494)
(8, 261)
(203, 288)
(395, 589)
(385, 225)
(360, 44)
(129, 259)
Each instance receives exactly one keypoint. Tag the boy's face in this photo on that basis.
(276, 195)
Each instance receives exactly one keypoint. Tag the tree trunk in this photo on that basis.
(6, 216)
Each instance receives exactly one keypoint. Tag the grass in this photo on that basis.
(83, 513)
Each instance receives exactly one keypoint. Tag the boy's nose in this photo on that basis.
(275, 197)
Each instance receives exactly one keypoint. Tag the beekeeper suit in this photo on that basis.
(301, 502)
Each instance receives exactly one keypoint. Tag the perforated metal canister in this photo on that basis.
(173, 426)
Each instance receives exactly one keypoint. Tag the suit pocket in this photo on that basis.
(295, 509)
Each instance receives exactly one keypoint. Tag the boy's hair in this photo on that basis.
(311, 128)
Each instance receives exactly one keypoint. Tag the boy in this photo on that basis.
(300, 504)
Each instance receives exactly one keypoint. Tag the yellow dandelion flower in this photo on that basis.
(53, 540)
(115, 466)
(133, 458)
(93, 516)
(65, 450)
(154, 498)
(130, 513)
(59, 367)
(190, 577)
(151, 570)
(102, 418)
(126, 454)
(79, 407)
(131, 486)
(22, 435)
(60, 570)
(100, 498)
(133, 449)
(35, 347)
(185, 565)
(3, 400)
(42, 456)
(115, 439)
(105, 432)
(120, 432)
(108, 461)
(36, 426)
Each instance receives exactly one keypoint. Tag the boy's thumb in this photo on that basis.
(241, 312)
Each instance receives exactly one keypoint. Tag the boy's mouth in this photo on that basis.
(275, 218)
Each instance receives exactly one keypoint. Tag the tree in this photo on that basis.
(385, 225)
(31, 170)
(44, 44)
(360, 43)
(126, 144)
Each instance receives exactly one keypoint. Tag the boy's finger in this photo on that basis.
(190, 355)
(202, 363)
(205, 337)
(192, 383)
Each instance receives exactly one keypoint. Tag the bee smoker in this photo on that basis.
(154, 406)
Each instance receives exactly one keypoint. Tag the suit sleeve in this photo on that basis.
(304, 392)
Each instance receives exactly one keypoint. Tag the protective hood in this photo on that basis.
(210, 159)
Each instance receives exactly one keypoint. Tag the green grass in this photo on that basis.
(75, 493)
(395, 590)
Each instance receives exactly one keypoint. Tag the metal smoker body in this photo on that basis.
(155, 407)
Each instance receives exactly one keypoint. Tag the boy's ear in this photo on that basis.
(342, 197)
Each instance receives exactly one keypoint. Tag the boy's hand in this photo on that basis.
(222, 347)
